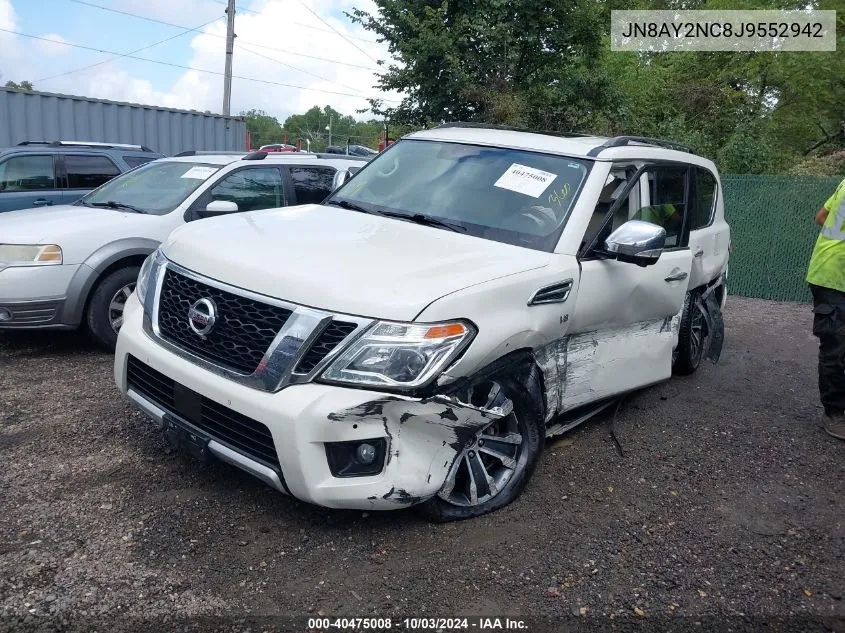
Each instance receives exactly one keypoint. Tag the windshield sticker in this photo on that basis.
(526, 180)
(199, 172)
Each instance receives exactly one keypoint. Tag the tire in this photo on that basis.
(691, 338)
(444, 507)
(106, 304)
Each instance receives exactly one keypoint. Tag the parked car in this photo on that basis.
(334, 149)
(414, 338)
(41, 174)
(360, 150)
(75, 265)
(278, 147)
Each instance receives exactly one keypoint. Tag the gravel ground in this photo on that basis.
(725, 506)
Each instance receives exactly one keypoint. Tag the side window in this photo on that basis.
(613, 187)
(252, 189)
(27, 173)
(666, 207)
(88, 172)
(134, 161)
(312, 184)
(705, 196)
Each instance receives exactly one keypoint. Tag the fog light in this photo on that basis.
(356, 459)
(366, 453)
(5, 315)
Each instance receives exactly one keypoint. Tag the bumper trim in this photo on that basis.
(260, 471)
(148, 407)
(221, 451)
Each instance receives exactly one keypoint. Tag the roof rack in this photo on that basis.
(95, 144)
(208, 152)
(509, 128)
(622, 141)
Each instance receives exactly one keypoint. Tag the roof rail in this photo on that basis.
(621, 141)
(509, 128)
(208, 152)
(94, 144)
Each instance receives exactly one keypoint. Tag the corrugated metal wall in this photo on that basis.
(41, 116)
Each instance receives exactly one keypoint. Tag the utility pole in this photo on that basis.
(230, 46)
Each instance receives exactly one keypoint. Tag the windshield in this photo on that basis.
(507, 195)
(155, 188)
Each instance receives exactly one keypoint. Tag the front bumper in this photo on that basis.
(423, 436)
(35, 296)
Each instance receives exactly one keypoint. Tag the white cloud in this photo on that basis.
(52, 48)
(286, 25)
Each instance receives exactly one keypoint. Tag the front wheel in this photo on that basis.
(691, 338)
(105, 309)
(492, 470)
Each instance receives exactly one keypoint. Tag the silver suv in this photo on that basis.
(68, 266)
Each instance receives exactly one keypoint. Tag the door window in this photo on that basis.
(312, 184)
(667, 202)
(705, 196)
(88, 172)
(134, 161)
(252, 189)
(27, 173)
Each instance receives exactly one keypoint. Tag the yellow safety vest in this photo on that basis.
(827, 263)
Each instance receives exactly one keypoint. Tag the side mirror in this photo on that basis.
(339, 178)
(218, 207)
(636, 242)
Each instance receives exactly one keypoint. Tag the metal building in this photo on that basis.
(43, 116)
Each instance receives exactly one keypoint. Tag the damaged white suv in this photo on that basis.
(414, 339)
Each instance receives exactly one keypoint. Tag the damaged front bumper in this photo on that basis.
(422, 436)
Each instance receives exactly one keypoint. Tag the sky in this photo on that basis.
(277, 42)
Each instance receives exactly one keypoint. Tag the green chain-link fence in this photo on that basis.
(773, 233)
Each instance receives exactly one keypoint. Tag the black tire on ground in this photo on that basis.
(691, 338)
(532, 430)
(99, 313)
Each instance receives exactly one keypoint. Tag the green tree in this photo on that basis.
(263, 128)
(23, 85)
(503, 61)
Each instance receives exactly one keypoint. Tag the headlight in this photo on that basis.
(30, 254)
(144, 276)
(400, 354)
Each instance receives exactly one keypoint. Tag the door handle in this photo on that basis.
(699, 252)
(676, 276)
(41, 202)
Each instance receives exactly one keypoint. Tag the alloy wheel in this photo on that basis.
(118, 304)
(487, 464)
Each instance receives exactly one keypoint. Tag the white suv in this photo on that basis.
(67, 266)
(414, 338)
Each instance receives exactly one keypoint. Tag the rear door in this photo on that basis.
(82, 173)
(709, 236)
(310, 184)
(626, 316)
(28, 180)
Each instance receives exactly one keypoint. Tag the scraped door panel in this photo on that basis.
(625, 326)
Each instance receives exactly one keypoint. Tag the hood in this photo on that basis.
(343, 261)
(78, 230)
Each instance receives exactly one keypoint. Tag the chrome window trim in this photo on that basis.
(292, 342)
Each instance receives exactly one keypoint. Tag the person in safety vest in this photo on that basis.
(826, 276)
(665, 215)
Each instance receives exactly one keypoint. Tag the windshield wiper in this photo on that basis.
(113, 204)
(353, 207)
(427, 220)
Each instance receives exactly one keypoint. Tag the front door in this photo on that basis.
(27, 181)
(626, 316)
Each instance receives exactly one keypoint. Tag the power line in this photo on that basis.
(137, 50)
(185, 28)
(281, 63)
(172, 65)
(338, 32)
(305, 26)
